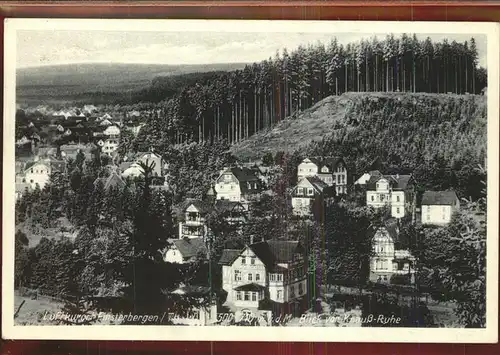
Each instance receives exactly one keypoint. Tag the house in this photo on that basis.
(233, 212)
(186, 250)
(193, 221)
(390, 255)
(113, 181)
(38, 172)
(272, 270)
(110, 146)
(332, 170)
(395, 191)
(106, 116)
(238, 184)
(204, 310)
(307, 191)
(112, 131)
(439, 206)
(363, 180)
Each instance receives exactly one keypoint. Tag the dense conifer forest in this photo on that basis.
(234, 105)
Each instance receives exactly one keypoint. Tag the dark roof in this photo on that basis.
(283, 250)
(275, 251)
(190, 247)
(250, 287)
(243, 174)
(228, 256)
(226, 205)
(318, 184)
(439, 198)
(397, 182)
(201, 206)
(316, 161)
(332, 162)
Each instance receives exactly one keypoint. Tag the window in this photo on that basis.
(237, 275)
(252, 261)
(249, 277)
(238, 296)
(279, 294)
(310, 192)
(382, 197)
(300, 170)
(292, 291)
(31, 180)
(247, 296)
(280, 277)
(300, 191)
(32, 171)
(310, 170)
(377, 186)
(373, 198)
(397, 210)
(272, 277)
(385, 278)
(243, 260)
(257, 277)
(254, 296)
(397, 199)
(334, 178)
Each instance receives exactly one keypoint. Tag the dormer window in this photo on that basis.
(324, 169)
(300, 191)
(243, 260)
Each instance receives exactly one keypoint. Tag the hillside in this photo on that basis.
(64, 83)
(353, 116)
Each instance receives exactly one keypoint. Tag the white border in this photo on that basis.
(429, 335)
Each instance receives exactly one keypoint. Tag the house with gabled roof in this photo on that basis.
(391, 255)
(310, 190)
(395, 191)
(185, 250)
(193, 220)
(439, 206)
(332, 170)
(238, 184)
(273, 270)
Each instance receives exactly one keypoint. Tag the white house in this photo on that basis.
(390, 255)
(395, 191)
(193, 223)
(110, 146)
(306, 192)
(439, 206)
(112, 131)
(272, 270)
(331, 170)
(237, 184)
(130, 169)
(39, 171)
(186, 250)
(202, 314)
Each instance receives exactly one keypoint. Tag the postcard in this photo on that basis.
(250, 180)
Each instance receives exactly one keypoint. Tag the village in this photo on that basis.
(264, 272)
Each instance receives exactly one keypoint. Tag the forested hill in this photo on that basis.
(428, 134)
(235, 105)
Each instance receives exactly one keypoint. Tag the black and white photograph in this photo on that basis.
(250, 180)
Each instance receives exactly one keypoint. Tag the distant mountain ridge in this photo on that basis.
(65, 82)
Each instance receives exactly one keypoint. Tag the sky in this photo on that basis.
(53, 47)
